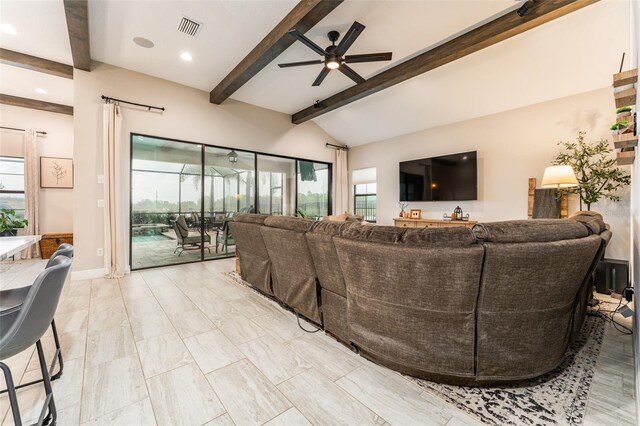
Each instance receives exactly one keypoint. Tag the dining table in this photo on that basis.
(10, 246)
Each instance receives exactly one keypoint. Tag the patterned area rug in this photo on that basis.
(556, 398)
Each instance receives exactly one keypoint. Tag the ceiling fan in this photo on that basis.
(334, 56)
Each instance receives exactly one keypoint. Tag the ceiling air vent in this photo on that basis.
(189, 27)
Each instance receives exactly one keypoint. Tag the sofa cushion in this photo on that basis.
(526, 305)
(399, 303)
(258, 219)
(591, 220)
(379, 234)
(336, 217)
(535, 230)
(446, 237)
(354, 217)
(255, 266)
(291, 223)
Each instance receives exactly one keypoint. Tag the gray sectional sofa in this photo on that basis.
(497, 303)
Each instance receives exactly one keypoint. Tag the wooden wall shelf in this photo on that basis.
(626, 158)
(625, 98)
(625, 77)
(626, 140)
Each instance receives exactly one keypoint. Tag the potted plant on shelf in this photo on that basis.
(595, 169)
(623, 114)
(10, 223)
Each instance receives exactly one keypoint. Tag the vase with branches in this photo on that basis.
(595, 169)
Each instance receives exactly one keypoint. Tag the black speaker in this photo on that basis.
(612, 276)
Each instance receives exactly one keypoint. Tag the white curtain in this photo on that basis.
(341, 198)
(31, 191)
(115, 193)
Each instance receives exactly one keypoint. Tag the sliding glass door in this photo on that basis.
(313, 189)
(276, 188)
(234, 173)
(184, 195)
(166, 180)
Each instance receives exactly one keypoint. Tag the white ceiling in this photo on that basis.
(41, 30)
(231, 30)
(573, 54)
(401, 27)
(20, 82)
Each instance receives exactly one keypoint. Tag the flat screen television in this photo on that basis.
(446, 178)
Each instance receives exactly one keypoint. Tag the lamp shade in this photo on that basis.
(559, 177)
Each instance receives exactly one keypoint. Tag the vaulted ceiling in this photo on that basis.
(573, 54)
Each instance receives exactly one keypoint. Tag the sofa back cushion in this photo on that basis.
(291, 223)
(592, 220)
(255, 266)
(412, 305)
(527, 298)
(536, 230)
(292, 269)
(324, 254)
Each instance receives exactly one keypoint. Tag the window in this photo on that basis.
(12, 184)
(365, 200)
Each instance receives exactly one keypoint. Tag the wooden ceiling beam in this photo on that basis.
(495, 31)
(35, 104)
(33, 63)
(303, 17)
(77, 13)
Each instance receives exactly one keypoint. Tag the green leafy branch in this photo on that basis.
(595, 169)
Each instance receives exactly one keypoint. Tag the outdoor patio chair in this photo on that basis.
(186, 239)
(224, 237)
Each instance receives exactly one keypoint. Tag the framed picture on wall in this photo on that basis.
(56, 172)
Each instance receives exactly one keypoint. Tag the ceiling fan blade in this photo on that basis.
(349, 38)
(321, 76)
(301, 37)
(368, 57)
(300, 64)
(344, 68)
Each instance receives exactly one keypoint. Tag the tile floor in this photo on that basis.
(183, 345)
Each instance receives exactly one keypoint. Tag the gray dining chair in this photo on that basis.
(12, 298)
(64, 249)
(25, 325)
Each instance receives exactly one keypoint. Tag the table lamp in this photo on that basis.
(559, 177)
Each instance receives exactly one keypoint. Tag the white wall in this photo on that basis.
(189, 116)
(512, 146)
(56, 205)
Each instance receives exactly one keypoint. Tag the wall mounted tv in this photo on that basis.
(446, 178)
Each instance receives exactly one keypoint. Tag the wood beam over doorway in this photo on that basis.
(33, 63)
(488, 34)
(77, 13)
(302, 17)
(35, 104)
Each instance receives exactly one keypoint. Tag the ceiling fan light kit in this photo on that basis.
(334, 56)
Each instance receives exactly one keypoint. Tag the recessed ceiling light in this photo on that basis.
(41, 91)
(186, 56)
(143, 42)
(8, 29)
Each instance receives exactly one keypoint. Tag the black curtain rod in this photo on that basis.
(21, 130)
(345, 148)
(108, 99)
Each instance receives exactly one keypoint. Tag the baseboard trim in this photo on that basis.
(87, 274)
